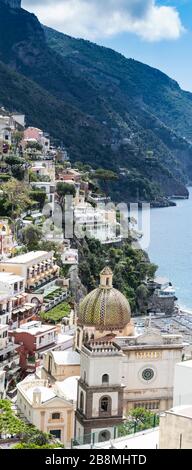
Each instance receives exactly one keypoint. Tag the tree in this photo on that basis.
(138, 419)
(17, 197)
(64, 189)
(105, 176)
(34, 146)
(31, 237)
(38, 195)
(17, 137)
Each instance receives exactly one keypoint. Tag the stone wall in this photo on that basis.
(162, 304)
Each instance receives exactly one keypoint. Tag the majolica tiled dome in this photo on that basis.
(105, 306)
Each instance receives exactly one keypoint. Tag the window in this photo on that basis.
(81, 406)
(56, 415)
(105, 405)
(148, 374)
(151, 405)
(56, 433)
(105, 379)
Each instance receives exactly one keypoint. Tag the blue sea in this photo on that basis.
(171, 247)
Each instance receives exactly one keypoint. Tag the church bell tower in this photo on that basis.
(100, 393)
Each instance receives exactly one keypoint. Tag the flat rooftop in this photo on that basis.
(35, 328)
(183, 410)
(66, 357)
(25, 258)
(187, 364)
(10, 278)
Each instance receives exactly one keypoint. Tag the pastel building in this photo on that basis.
(58, 365)
(50, 409)
(6, 238)
(15, 307)
(34, 339)
(33, 134)
(36, 267)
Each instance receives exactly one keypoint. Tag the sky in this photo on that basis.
(156, 32)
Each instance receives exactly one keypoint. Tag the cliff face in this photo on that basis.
(12, 3)
(109, 111)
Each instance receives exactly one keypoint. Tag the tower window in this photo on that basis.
(81, 406)
(107, 281)
(105, 379)
(105, 405)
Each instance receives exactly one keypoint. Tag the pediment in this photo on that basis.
(151, 337)
(57, 402)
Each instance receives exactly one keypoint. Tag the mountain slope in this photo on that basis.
(108, 110)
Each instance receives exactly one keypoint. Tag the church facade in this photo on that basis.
(119, 368)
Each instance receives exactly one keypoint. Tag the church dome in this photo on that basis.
(105, 307)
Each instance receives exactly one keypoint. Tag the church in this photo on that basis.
(120, 368)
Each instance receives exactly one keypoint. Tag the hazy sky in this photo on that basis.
(157, 32)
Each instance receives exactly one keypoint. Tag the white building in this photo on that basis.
(182, 392)
(2, 384)
(176, 428)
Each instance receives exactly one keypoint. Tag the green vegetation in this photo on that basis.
(131, 268)
(30, 437)
(138, 420)
(31, 237)
(15, 198)
(64, 189)
(107, 115)
(57, 313)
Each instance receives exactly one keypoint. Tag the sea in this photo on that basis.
(170, 247)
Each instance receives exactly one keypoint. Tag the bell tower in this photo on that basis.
(100, 393)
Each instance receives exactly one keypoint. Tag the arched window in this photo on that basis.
(81, 406)
(56, 415)
(85, 376)
(105, 379)
(104, 436)
(105, 406)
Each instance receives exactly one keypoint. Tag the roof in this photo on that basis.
(34, 328)
(187, 364)
(25, 258)
(106, 271)
(46, 393)
(66, 357)
(10, 278)
(183, 410)
(106, 308)
(68, 388)
(161, 280)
